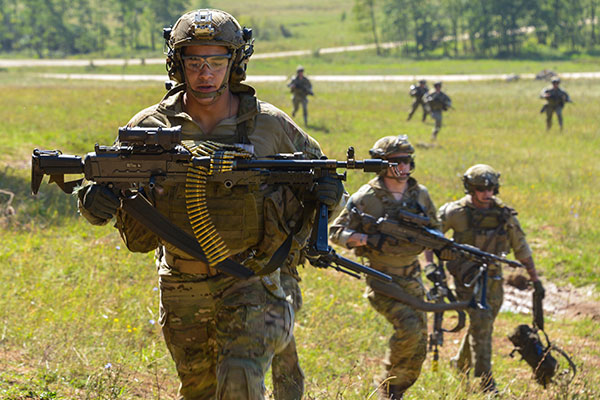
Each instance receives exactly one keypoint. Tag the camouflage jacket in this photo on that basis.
(418, 92)
(555, 97)
(242, 215)
(300, 86)
(438, 101)
(375, 199)
(495, 230)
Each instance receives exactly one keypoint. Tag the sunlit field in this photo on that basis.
(78, 312)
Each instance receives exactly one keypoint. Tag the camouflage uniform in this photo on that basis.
(556, 99)
(418, 92)
(408, 344)
(495, 230)
(300, 88)
(222, 332)
(288, 378)
(436, 103)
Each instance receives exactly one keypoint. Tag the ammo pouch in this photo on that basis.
(282, 216)
(528, 344)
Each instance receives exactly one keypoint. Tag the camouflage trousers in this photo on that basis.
(296, 102)
(414, 107)
(222, 334)
(549, 112)
(437, 116)
(288, 378)
(476, 347)
(408, 345)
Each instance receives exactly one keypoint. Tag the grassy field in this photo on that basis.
(78, 312)
(362, 63)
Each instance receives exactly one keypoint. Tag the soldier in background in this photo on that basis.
(300, 87)
(482, 220)
(394, 189)
(556, 99)
(418, 92)
(437, 102)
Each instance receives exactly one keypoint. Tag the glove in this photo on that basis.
(538, 289)
(375, 241)
(99, 201)
(448, 254)
(329, 191)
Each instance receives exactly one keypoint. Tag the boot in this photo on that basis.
(488, 385)
(391, 392)
(395, 392)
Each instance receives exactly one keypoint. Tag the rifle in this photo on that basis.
(437, 294)
(415, 229)
(147, 157)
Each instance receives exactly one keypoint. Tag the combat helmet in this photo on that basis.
(393, 144)
(555, 79)
(299, 68)
(481, 175)
(209, 27)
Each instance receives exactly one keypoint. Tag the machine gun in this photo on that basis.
(146, 157)
(416, 229)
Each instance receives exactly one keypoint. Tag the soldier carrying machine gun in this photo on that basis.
(146, 157)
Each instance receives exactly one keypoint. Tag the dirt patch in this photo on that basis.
(565, 301)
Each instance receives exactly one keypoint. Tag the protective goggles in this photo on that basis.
(482, 188)
(216, 62)
(401, 160)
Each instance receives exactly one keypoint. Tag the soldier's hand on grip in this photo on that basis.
(538, 289)
(99, 201)
(329, 191)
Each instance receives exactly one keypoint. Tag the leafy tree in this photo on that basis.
(364, 11)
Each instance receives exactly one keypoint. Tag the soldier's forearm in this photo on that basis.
(530, 267)
(357, 239)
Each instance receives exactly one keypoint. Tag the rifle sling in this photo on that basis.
(139, 208)
(395, 292)
(462, 318)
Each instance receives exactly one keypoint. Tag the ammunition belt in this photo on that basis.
(221, 160)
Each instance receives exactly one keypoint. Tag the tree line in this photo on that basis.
(51, 28)
(482, 27)
(70, 27)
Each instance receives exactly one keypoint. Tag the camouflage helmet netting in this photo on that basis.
(481, 175)
(390, 145)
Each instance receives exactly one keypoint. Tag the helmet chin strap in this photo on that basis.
(206, 95)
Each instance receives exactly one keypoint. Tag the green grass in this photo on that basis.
(74, 300)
